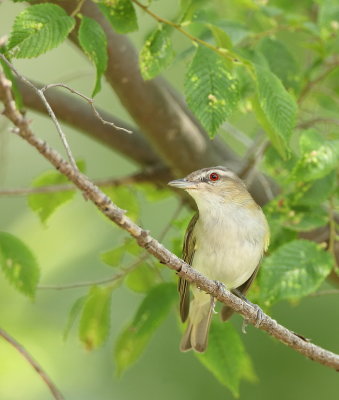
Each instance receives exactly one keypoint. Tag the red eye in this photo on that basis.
(214, 176)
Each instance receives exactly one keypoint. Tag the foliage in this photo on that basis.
(267, 68)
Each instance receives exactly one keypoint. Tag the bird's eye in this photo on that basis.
(214, 177)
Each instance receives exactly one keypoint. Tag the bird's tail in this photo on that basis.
(199, 321)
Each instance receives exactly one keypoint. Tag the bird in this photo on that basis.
(225, 241)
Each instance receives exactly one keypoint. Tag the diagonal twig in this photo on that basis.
(54, 390)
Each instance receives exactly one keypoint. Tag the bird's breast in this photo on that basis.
(229, 244)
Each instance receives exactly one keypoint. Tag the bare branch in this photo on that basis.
(49, 109)
(75, 113)
(90, 101)
(34, 364)
(152, 246)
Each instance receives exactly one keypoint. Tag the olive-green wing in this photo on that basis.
(187, 255)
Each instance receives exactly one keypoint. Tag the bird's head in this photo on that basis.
(215, 185)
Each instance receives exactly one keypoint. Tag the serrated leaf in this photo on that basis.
(294, 270)
(37, 29)
(226, 357)
(141, 280)
(44, 204)
(281, 61)
(121, 14)
(211, 91)
(73, 314)
(18, 264)
(95, 318)
(157, 53)
(150, 314)
(276, 109)
(318, 157)
(125, 198)
(93, 41)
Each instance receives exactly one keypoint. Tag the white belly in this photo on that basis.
(229, 246)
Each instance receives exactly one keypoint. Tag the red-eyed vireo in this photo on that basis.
(225, 241)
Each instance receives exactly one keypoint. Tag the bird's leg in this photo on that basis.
(260, 313)
(213, 299)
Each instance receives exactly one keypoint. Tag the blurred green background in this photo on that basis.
(68, 248)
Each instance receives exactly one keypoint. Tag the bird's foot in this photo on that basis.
(220, 285)
(260, 313)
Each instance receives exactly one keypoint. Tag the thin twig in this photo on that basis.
(77, 8)
(40, 93)
(145, 240)
(34, 364)
(331, 66)
(222, 51)
(90, 101)
(315, 121)
(125, 271)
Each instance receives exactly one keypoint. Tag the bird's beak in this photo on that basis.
(183, 184)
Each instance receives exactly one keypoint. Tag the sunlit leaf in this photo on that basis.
(73, 314)
(18, 264)
(120, 13)
(95, 318)
(294, 270)
(276, 110)
(318, 157)
(134, 338)
(157, 53)
(44, 204)
(37, 29)
(93, 41)
(211, 91)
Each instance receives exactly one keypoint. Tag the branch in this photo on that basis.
(75, 113)
(54, 390)
(152, 246)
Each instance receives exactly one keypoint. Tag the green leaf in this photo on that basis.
(121, 14)
(18, 264)
(44, 204)
(220, 36)
(275, 110)
(142, 279)
(95, 318)
(15, 88)
(37, 29)
(125, 198)
(93, 41)
(73, 314)
(281, 61)
(226, 357)
(135, 337)
(318, 157)
(315, 192)
(157, 53)
(306, 220)
(114, 257)
(211, 91)
(294, 270)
